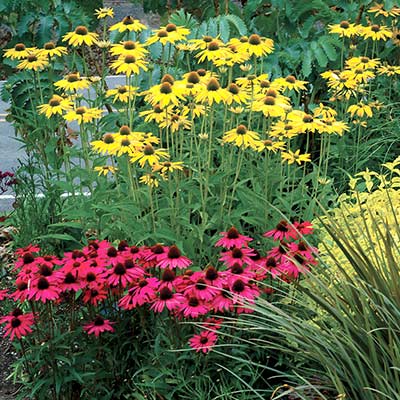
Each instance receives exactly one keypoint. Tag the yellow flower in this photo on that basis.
(72, 82)
(50, 50)
(362, 62)
(122, 93)
(34, 61)
(256, 45)
(128, 24)
(156, 114)
(168, 166)
(176, 121)
(202, 44)
(106, 169)
(325, 111)
(213, 51)
(129, 48)
(235, 94)
(291, 83)
(149, 155)
(304, 122)
(340, 84)
(344, 29)
(83, 114)
(168, 34)
(283, 129)
(379, 10)
(389, 70)
(291, 157)
(166, 93)
(149, 180)
(271, 145)
(56, 105)
(210, 93)
(251, 80)
(242, 137)
(231, 57)
(396, 37)
(80, 36)
(358, 75)
(360, 110)
(376, 32)
(104, 13)
(19, 51)
(125, 144)
(129, 65)
(106, 145)
(332, 126)
(271, 104)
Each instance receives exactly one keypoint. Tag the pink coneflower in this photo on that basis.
(223, 300)
(166, 299)
(21, 291)
(25, 259)
(303, 248)
(94, 295)
(17, 324)
(272, 266)
(243, 291)
(31, 248)
(28, 272)
(204, 341)
(282, 231)
(144, 291)
(93, 276)
(173, 259)
(236, 255)
(168, 279)
(3, 294)
(193, 307)
(278, 252)
(120, 275)
(232, 238)
(212, 323)
(43, 289)
(213, 277)
(304, 228)
(154, 253)
(99, 325)
(47, 271)
(199, 287)
(71, 282)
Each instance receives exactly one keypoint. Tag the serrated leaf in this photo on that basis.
(321, 57)
(329, 49)
(306, 64)
(238, 23)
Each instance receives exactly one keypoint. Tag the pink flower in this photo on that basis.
(204, 341)
(166, 299)
(212, 323)
(3, 294)
(120, 275)
(192, 307)
(17, 324)
(144, 291)
(243, 292)
(304, 228)
(232, 238)
(31, 248)
(173, 259)
(94, 295)
(213, 277)
(71, 282)
(21, 292)
(282, 231)
(236, 255)
(43, 289)
(223, 300)
(198, 287)
(99, 325)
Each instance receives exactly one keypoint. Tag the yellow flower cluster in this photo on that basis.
(368, 215)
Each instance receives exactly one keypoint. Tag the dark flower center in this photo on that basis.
(237, 269)
(211, 273)
(166, 88)
(174, 252)
(19, 47)
(271, 262)
(207, 39)
(45, 270)
(168, 275)
(375, 28)
(122, 90)
(282, 226)
(112, 252)
(17, 312)
(302, 246)
(28, 258)
(108, 139)
(193, 77)
(69, 278)
(345, 25)
(32, 58)
(269, 101)
(54, 102)
(148, 150)
(129, 264)
(290, 79)
(213, 85)
(49, 46)
(170, 28)
(254, 39)
(130, 59)
(244, 39)
(80, 110)
(237, 253)
(128, 20)
(157, 249)
(129, 45)
(165, 294)
(81, 30)
(143, 283)
(193, 302)
(72, 78)
(238, 286)
(233, 88)
(162, 33)
(241, 130)
(213, 46)
(99, 321)
(22, 286)
(15, 322)
(265, 84)
(168, 78)
(43, 284)
(204, 340)
(120, 269)
(90, 277)
(201, 284)
(308, 119)
(134, 250)
(202, 72)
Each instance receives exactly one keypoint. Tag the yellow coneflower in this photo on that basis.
(290, 83)
(360, 109)
(128, 24)
(242, 137)
(168, 166)
(291, 157)
(376, 32)
(396, 37)
(168, 34)
(256, 45)
(149, 155)
(202, 44)
(128, 48)
(234, 94)
(19, 51)
(210, 93)
(362, 62)
(341, 85)
(122, 93)
(358, 75)
(106, 169)
(72, 82)
(107, 145)
(344, 29)
(34, 61)
(125, 144)
(176, 121)
(83, 114)
(272, 104)
(150, 180)
(324, 111)
(56, 105)
(80, 36)
(166, 93)
(271, 145)
(378, 9)
(104, 12)
(332, 126)
(156, 114)
(283, 129)
(129, 65)
(196, 110)
(212, 52)
(51, 50)
(233, 56)
(251, 80)
(389, 70)
(304, 122)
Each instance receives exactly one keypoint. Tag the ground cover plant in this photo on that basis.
(213, 126)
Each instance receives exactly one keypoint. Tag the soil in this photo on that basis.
(7, 357)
